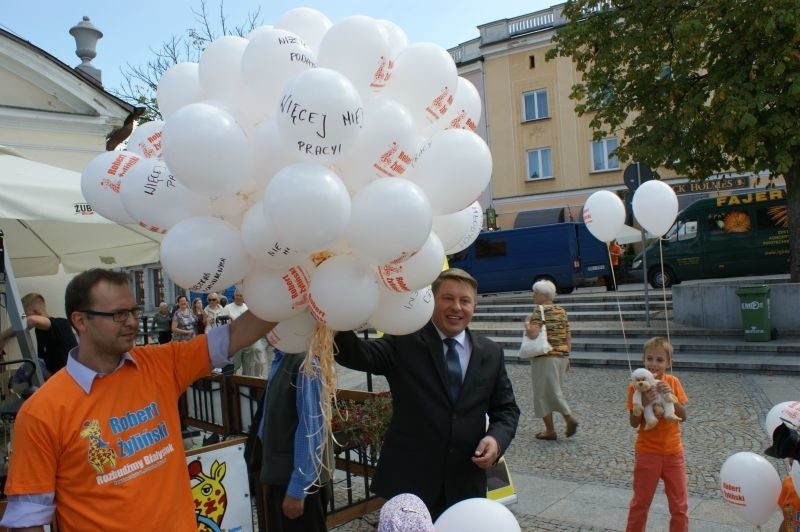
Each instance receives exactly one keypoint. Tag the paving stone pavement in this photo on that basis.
(583, 483)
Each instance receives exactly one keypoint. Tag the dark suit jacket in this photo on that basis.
(430, 441)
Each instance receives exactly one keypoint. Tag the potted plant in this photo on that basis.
(362, 423)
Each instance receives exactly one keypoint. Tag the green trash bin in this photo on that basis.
(756, 316)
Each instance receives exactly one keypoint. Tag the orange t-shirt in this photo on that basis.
(789, 503)
(113, 457)
(665, 438)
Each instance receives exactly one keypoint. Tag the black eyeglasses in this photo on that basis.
(119, 316)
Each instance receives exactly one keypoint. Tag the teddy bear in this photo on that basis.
(643, 381)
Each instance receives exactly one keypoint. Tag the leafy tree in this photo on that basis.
(698, 86)
(140, 81)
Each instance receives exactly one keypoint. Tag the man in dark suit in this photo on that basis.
(438, 445)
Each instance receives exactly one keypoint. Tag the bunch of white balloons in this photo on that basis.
(654, 203)
(749, 483)
(328, 168)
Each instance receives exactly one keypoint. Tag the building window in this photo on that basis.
(158, 287)
(540, 164)
(534, 104)
(138, 287)
(601, 155)
(532, 59)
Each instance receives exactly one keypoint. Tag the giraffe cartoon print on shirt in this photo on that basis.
(100, 453)
(210, 498)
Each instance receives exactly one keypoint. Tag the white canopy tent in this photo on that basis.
(46, 222)
(630, 234)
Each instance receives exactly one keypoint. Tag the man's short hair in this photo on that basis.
(454, 274)
(31, 300)
(78, 295)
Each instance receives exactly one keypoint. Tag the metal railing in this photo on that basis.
(225, 405)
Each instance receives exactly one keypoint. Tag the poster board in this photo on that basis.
(499, 486)
(215, 471)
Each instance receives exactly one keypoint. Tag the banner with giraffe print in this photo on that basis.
(220, 490)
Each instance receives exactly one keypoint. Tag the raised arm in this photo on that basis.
(246, 329)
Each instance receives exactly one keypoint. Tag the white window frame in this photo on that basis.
(536, 111)
(539, 171)
(607, 160)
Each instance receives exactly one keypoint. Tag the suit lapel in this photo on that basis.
(475, 359)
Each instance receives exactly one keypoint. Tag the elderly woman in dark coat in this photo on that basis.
(548, 370)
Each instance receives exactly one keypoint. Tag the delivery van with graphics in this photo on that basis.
(729, 236)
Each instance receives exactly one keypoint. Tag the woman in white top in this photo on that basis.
(213, 309)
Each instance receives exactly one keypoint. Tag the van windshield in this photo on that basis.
(682, 230)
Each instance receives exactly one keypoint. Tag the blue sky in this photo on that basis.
(132, 29)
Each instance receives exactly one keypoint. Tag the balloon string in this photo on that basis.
(663, 285)
(320, 355)
(664, 293)
(619, 311)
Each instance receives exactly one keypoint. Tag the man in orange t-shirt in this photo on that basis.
(659, 451)
(99, 445)
(614, 253)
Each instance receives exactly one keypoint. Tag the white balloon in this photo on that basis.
(320, 115)
(453, 228)
(220, 67)
(424, 79)
(271, 60)
(398, 40)
(391, 220)
(207, 150)
(204, 254)
(269, 153)
(101, 184)
(146, 140)
(385, 147)
(415, 273)
(262, 242)
(308, 205)
(294, 334)
(274, 295)
(465, 113)
(358, 47)
(344, 294)
(403, 312)
(156, 200)
(788, 410)
(477, 515)
(604, 215)
(655, 206)
(179, 86)
(310, 24)
(453, 168)
(750, 485)
(255, 32)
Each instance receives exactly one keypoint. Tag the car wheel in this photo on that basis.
(659, 279)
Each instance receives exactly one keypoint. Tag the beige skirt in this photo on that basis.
(547, 375)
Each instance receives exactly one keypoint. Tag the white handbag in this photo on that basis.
(534, 347)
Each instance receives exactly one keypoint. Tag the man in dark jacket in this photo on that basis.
(445, 382)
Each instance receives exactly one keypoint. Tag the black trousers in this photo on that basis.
(164, 337)
(315, 511)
